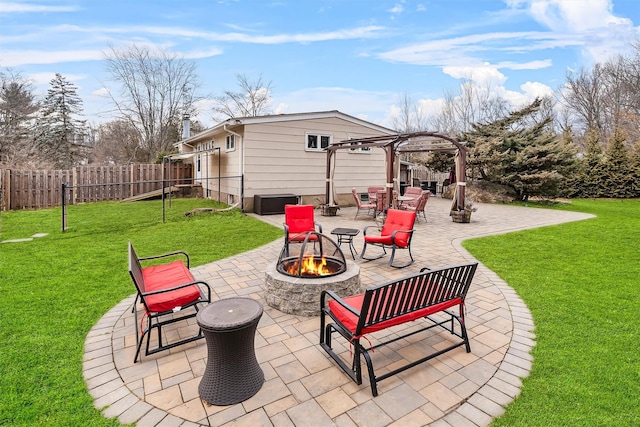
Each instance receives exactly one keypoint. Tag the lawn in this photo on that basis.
(580, 281)
(55, 288)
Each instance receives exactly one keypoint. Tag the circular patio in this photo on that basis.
(302, 385)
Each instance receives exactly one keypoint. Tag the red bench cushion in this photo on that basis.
(167, 276)
(350, 320)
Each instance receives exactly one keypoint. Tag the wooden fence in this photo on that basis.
(37, 189)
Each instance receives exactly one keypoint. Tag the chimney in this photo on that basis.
(186, 126)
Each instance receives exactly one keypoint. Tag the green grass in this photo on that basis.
(55, 288)
(580, 281)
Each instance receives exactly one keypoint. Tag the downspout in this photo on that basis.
(240, 158)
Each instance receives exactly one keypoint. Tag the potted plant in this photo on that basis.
(463, 215)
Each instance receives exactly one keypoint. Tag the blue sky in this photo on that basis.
(355, 56)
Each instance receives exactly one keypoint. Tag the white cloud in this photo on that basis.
(574, 16)
(103, 91)
(27, 8)
(13, 58)
(397, 8)
(485, 75)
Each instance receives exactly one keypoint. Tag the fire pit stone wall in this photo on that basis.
(301, 296)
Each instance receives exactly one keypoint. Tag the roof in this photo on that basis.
(274, 118)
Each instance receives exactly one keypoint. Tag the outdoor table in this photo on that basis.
(232, 374)
(346, 235)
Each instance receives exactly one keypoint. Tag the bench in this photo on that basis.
(415, 297)
(164, 290)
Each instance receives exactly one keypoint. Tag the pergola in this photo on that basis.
(404, 143)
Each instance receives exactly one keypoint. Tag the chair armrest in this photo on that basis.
(319, 226)
(184, 285)
(146, 258)
(364, 230)
(393, 235)
(338, 300)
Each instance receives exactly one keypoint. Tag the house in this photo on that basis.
(284, 154)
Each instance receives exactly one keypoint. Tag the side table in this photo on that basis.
(346, 235)
(232, 374)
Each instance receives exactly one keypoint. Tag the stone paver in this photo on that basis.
(303, 386)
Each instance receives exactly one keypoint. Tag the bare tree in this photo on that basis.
(253, 99)
(17, 107)
(156, 88)
(117, 142)
(472, 104)
(410, 117)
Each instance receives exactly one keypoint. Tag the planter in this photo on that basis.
(461, 216)
(329, 210)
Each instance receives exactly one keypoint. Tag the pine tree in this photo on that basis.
(618, 177)
(588, 179)
(17, 107)
(60, 135)
(635, 169)
(521, 152)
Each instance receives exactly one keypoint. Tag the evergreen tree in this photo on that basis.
(635, 169)
(17, 107)
(618, 177)
(521, 152)
(60, 134)
(588, 179)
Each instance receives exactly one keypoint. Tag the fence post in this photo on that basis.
(64, 206)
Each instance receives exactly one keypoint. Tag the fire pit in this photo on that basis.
(296, 280)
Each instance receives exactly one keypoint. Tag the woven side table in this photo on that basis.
(232, 374)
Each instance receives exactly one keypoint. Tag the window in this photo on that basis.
(317, 142)
(356, 149)
(230, 144)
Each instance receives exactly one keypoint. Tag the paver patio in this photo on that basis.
(303, 386)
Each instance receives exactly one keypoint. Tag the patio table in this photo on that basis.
(232, 374)
(346, 235)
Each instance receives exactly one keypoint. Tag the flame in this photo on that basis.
(310, 267)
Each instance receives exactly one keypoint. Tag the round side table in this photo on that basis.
(232, 374)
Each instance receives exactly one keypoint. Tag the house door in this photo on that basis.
(198, 169)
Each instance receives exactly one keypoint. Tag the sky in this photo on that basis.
(356, 56)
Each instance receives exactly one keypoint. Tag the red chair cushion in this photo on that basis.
(350, 320)
(299, 218)
(165, 276)
(396, 220)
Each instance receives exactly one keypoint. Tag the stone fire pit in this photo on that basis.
(301, 295)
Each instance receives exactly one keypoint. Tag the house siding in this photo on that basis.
(275, 160)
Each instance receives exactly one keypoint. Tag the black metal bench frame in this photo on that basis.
(415, 293)
(156, 320)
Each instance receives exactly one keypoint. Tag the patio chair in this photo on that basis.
(396, 233)
(167, 292)
(415, 192)
(299, 221)
(370, 206)
(373, 191)
(420, 206)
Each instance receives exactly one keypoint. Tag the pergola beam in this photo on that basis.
(394, 143)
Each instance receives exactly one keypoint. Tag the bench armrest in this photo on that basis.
(146, 258)
(338, 300)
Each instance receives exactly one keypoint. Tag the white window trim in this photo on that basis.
(359, 150)
(226, 143)
(319, 135)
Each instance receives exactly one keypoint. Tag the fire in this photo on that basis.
(310, 267)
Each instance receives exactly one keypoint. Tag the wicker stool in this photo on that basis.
(232, 374)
